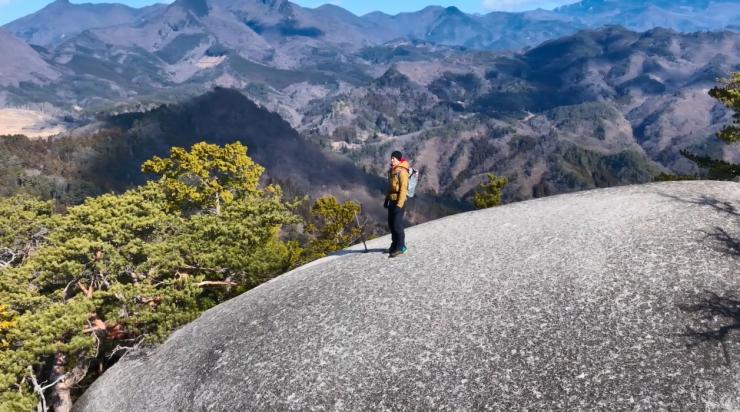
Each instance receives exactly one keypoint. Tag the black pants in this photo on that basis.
(395, 223)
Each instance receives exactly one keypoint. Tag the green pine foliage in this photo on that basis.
(489, 193)
(728, 93)
(666, 177)
(716, 169)
(333, 226)
(24, 221)
(207, 176)
(121, 270)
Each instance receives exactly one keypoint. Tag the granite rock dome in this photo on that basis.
(585, 301)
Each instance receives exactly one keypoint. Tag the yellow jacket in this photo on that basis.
(398, 184)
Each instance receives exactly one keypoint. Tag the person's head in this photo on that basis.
(396, 158)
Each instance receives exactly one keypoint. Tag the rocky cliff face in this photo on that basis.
(614, 298)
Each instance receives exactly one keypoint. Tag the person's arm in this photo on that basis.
(404, 178)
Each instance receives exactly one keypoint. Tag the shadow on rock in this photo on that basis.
(724, 240)
(352, 252)
(717, 317)
(722, 206)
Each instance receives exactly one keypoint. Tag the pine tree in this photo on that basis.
(128, 269)
(333, 226)
(728, 93)
(489, 194)
(24, 223)
(207, 176)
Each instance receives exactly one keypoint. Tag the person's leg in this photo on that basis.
(400, 234)
(392, 227)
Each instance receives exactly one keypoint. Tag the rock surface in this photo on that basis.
(572, 302)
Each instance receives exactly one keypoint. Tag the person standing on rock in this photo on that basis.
(395, 200)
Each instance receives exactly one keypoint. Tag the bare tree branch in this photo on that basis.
(39, 390)
(7, 257)
(119, 348)
(226, 283)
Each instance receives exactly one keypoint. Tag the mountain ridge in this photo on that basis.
(61, 19)
(25, 66)
(463, 112)
(437, 24)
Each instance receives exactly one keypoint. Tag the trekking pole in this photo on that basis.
(362, 231)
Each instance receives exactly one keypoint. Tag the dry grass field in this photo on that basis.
(33, 124)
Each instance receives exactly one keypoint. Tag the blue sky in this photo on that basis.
(13, 9)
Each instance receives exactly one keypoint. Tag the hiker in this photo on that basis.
(395, 200)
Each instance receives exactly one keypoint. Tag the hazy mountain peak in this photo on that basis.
(61, 20)
(270, 5)
(198, 7)
(392, 78)
(335, 10)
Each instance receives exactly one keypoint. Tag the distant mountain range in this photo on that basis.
(112, 54)
(279, 20)
(61, 20)
(598, 108)
(557, 100)
(639, 15)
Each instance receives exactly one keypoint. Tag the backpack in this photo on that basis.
(413, 180)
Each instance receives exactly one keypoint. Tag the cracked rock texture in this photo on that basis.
(572, 302)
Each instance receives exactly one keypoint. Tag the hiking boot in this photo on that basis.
(398, 252)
